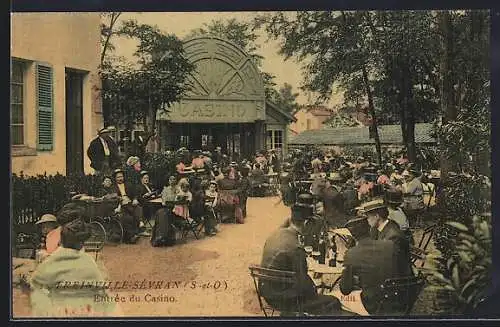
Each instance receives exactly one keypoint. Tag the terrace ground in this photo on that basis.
(206, 277)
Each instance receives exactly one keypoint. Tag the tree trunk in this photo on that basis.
(372, 113)
(113, 20)
(410, 114)
(448, 110)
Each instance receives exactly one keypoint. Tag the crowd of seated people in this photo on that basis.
(341, 183)
(206, 188)
(373, 202)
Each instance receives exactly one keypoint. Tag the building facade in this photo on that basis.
(55, 100)
(225, 106)
(310, 118)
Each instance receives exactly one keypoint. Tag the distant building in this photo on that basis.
(337, 138)
(310, 118)
(55, 106)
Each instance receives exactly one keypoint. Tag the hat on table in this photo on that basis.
(46, 219)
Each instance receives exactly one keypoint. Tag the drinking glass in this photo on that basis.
(308, 249)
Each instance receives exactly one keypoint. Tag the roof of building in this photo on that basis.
(283, 113)
(318, 110)
(389, 134)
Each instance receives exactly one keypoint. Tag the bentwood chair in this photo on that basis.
(260, 274)
(400, 295)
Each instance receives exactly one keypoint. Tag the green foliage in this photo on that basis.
(160, 166)
(465, 129)
(134, 93)
(428, 157)
(108, 30)
(461, 271)
(285, 99)
(401, 52)
(342, 120)
(32, 196)
(238, 32)
(462, 279)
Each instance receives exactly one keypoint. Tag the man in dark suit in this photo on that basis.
(283, 251)
(382, 228)
(366, 266)
(103, 153)
(131, 211)
(333, 201)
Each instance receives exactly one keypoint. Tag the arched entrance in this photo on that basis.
(225, 105)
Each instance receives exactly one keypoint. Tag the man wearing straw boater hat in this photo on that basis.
(370, 262)
(103, 152)
(382, 228)
(283, 251)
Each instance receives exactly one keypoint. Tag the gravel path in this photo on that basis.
(217, 265)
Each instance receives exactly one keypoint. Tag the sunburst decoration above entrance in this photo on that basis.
(223, 71)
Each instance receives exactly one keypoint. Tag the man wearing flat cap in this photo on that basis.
(103, 153)
(283, 251)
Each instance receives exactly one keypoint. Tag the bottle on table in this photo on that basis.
(322, 249)
(332, 262)
(315, 243)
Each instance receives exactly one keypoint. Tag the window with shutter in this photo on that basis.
(17, 103)
(45, 104)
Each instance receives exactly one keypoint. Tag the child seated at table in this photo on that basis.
(184, 197)
(169, 191)
(211, 203)
(212, 194)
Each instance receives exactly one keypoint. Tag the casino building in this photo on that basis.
(225, 106)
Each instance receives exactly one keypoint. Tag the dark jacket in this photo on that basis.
(373, 262)
(103, 191)
(197, 205)
(95, 152)
(129, 189)
(133, 176)
(282, 251)
(392, 232)
(244, 186)
(258, 176)
(333, 206)
(141, 192)
(227, 184)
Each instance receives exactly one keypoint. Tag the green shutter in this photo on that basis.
(45, 104)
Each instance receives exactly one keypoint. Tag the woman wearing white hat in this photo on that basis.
(51, 233)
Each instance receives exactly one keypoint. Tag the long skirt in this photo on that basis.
(163, 232)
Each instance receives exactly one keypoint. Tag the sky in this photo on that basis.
(182, 23)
